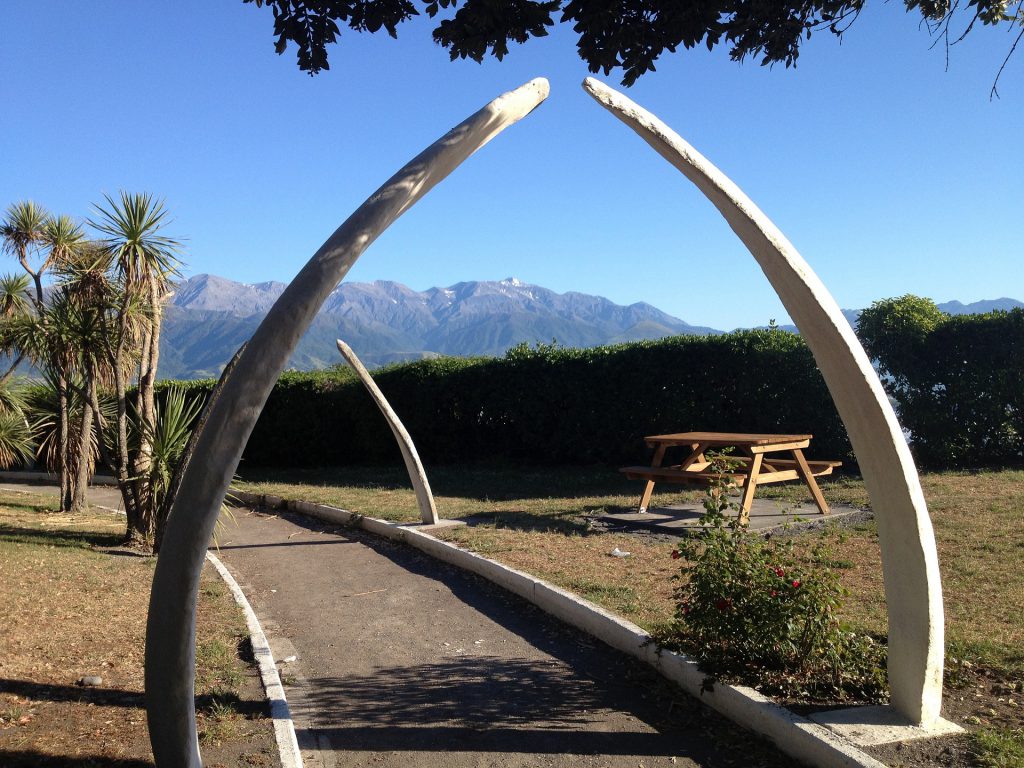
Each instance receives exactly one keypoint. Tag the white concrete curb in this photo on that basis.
(284, 728)
(795, 735)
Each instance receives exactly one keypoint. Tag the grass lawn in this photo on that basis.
(74, 605)
(539, 521)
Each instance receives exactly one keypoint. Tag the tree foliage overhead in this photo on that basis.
(613, 34)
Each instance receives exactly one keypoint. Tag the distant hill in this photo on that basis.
(949, 307)
(979, 307)
(209, 317)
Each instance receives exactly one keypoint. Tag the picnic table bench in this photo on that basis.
(754, 467)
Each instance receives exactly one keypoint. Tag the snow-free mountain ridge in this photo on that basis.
(209, 317)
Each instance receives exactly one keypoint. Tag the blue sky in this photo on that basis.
(889, 172)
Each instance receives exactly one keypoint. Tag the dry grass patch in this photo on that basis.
(979, 528)
(73, 605)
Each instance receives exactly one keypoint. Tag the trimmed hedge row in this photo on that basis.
(957, 381)
(553, 405)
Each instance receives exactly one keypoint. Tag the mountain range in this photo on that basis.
(209, 317)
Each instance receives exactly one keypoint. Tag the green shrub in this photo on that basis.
(749, 608)
(956, 380)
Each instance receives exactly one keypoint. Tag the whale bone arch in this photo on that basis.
(910, 563)
(170, 627)
(413, 465)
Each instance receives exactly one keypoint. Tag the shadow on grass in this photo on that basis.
(218, 701)
(58, 538)
(10, 758)
(103, 697)
(532, 522)
(112, 697)
(483, 483)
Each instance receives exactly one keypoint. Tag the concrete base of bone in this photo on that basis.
(872, 726)
(441, 523)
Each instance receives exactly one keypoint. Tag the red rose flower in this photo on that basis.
(779, 572)
(796, 582)
(676, 554)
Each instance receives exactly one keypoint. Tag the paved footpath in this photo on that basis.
(405, 661)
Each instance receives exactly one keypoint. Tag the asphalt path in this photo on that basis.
(401, 660)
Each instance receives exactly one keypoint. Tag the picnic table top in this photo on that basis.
(726, 438)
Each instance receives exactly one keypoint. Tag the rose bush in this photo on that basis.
(752, 608)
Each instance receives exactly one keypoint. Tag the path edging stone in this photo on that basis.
(284, 727)
(795, 735)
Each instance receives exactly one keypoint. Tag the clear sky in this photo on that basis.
(890, 172)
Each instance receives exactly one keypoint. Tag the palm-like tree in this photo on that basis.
(14, 302)
(62, 240)
(16, 438)
(86, 297)
(21, 235)
(14, 298)
(145, 261)
(49, 339)
(22, 231)
(46, 329)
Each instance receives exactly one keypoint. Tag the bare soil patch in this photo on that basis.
(73, 605)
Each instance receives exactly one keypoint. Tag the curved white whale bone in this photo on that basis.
(909, 561)
(170, 629)
(418, 476)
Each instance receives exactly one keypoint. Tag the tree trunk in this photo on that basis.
(67, 476)
(14, 366)
(156, 297)
(79, 502)
(145, 408)
(142, 463)
(139, 533)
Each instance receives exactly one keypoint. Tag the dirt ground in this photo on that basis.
(73, 605)
(975, 697)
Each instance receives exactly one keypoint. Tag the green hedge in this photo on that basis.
(553, 405)
(957, 381)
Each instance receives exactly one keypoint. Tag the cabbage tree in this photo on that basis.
(142, 261)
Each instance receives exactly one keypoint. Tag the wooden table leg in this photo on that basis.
(696, 457)
(749, 487)
(645, 497)
(805, 473)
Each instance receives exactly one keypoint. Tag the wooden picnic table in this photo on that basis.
(753, 466)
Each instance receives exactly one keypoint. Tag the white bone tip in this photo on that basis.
(601, 92)
(538, 84)
(531, 93)
(521, 101)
